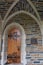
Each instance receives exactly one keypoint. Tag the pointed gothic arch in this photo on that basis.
(23, 45)
(18, 12)
(5, 21)
(29, 2)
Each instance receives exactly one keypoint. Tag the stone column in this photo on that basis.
(0, 36)
(42, 30)
(2, 54)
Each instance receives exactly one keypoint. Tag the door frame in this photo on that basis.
(23, 43)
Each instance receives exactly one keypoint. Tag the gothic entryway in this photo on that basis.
(14, 44)
(13, 51)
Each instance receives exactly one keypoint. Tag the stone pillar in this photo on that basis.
(0, 31)
(0, 37)
(42, 30)
(2, 54)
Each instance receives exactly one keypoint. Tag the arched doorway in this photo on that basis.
(14, 45)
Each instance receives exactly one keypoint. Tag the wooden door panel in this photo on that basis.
(14, 44)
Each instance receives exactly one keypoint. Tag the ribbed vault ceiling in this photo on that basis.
(5, 4)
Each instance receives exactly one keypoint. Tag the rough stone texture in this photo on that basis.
(4, 6)
(34, 52)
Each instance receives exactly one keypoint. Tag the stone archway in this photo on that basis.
(15, 2)
(23, 45)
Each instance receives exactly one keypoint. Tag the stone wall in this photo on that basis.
(5, 4)
(34, 51)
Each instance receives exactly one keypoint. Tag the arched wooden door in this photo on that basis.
(14, 45)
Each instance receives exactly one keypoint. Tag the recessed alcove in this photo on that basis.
(30, 31)
(10, 49)
(31, 27)
(34, 41)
